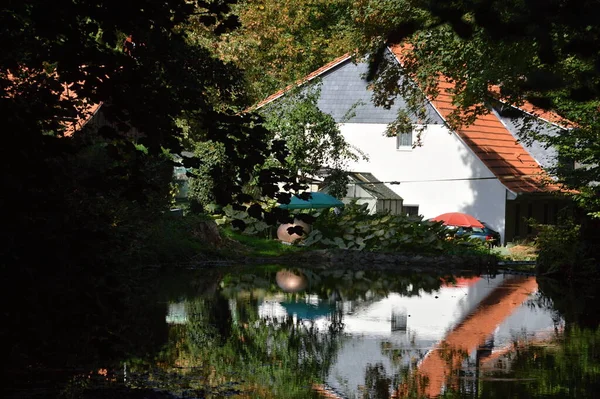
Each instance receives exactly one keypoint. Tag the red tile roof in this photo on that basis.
(494, 144)
(497, 148)
(85, 110)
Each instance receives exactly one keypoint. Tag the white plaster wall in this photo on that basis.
(443, 156)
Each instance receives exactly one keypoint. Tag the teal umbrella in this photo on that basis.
(316, 200)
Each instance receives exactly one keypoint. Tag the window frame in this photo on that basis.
(399, 135)
(399, 139)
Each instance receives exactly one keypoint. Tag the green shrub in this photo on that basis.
(560, 250)
(356, 229)
(175, 239)
(252, 226)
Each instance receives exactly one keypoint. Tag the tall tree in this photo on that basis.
(313, 138)
(137, 60)
(279, 42)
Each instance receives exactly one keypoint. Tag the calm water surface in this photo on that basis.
(305, 333)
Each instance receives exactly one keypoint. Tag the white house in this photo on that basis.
(481, 169)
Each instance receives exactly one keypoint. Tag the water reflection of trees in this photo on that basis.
(278, 357)
(225, 347)
(377, 383)
(348, 287)
(70, 333)
(268, 357)
(568, 367)
(576, 301)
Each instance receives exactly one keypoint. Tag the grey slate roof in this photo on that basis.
(344, 86)
(515, 119)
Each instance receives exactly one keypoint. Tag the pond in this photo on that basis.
(277, 332)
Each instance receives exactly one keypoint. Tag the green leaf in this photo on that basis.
(339, 242)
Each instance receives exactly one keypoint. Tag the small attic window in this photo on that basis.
(404, 140)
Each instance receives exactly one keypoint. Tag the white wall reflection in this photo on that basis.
(398, 331)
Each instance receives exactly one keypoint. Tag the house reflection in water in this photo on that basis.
(433, 334)
(473, 332)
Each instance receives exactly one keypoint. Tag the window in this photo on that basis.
(404, 140)
(406, 135)
(411, 210)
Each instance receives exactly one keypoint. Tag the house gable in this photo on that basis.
(344, 88)
(346, 96)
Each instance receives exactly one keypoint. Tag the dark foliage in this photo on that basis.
(87, 200)
(82, 206)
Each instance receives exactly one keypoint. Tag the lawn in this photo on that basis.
(254, 245)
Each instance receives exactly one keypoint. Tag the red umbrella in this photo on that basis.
(458, 219)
